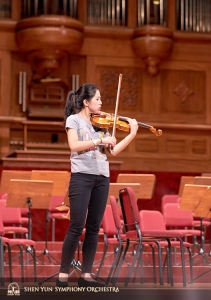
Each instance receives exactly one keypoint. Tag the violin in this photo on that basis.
(106, 120)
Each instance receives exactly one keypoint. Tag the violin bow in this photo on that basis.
(117, 104)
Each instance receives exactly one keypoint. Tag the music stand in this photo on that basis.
(197, 198)
(115, 187)
(7, 175)
(60, 181)
(64, 206)
(185, 180)
(29, 194)
(147, 182)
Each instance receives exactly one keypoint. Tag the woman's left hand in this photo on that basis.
(133, 125)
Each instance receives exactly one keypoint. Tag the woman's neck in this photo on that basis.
(85, 114)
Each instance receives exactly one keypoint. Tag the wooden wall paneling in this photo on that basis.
(177, 150)
(111, 46)
(45, 138)
(151, 164)
(5, 83)
(186, 144)
(151, 97)
(63, 71)
(183, 92)
(16, 136)
(130, 98)
(191, 47)
(90, 69)
(145, 146)
(97, 66)
(7, 36)
(7, 125)
(77, 65)
(208, 94)
(4, 139)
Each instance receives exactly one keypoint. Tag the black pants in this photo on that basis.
(88, 197)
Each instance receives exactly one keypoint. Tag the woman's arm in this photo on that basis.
(126, 141)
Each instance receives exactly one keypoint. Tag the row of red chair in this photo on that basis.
(146, 228)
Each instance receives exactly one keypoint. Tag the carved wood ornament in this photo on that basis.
(153, 43)
(47, 39)
(183, 91)
(129, 89)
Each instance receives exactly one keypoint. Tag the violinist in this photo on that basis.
(89, 183)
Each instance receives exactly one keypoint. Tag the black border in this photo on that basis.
(122, 294)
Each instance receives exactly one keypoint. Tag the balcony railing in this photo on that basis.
(107, 12)
(152, 12)
(5, 9)
(47, 7)
(194, 15)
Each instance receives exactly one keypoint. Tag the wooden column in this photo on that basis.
(132, 14)
(82, 11)
(16, 10)
(171, 15)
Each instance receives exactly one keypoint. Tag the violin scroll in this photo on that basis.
(156, 132)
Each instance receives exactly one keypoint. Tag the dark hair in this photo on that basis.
(74, 102)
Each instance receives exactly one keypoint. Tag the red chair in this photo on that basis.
(53, 213)
(132, 220)
(11, 218)
(25, 220)
(110, 239)
(168, 199)
(177, 218)
(3, 196)
(126, 242)
(24, 215)
(4, 242)
(152, 221)
(21, 243)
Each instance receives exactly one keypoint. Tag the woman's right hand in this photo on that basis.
(109, 141)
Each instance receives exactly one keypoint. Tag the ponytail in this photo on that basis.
(74, 102)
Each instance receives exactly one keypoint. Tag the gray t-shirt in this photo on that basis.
(93, 160)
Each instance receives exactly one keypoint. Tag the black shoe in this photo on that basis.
(61, 283)
(84, 283)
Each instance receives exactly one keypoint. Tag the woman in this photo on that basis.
(89, 183)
